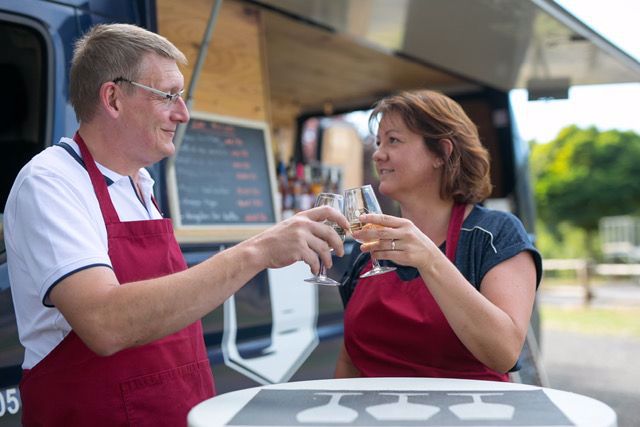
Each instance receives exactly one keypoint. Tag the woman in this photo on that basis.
(459, 305)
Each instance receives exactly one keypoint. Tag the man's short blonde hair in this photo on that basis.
(109, 51)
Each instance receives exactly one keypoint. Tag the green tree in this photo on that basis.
(583, 175)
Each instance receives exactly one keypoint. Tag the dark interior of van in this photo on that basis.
(22, 135)
(22, 108)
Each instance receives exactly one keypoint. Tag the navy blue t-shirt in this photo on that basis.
(487, 238)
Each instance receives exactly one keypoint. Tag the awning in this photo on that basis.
(504, 44)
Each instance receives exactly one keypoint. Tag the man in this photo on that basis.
(107, 311)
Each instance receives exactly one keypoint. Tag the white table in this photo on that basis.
(401, 402)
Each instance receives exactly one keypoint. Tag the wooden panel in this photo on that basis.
(232, 81)
(268, 67)
(283, 126)
(310, 66)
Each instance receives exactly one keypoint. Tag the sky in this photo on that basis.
(603, 106)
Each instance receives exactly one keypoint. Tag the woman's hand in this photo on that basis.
(396, 239)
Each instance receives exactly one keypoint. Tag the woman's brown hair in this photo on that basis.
(465, 173)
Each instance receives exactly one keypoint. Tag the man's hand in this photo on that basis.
(303, 237)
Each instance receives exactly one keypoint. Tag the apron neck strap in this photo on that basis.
(453, 232)
(97, 180)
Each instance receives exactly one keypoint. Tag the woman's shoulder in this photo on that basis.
(504, 233)
(481, 216)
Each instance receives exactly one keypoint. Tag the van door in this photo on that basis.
(24, 126)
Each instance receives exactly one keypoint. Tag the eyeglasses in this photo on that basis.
(169, 98)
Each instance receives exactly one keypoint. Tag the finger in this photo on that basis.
(372, 232)
(396, 257)
(368, 247)
(321, 251)
(327, 258)
(310, 257)
(306, 245)
(381, 245)
(382, 219)
(322, 213)
(339, 219)
(330, 236)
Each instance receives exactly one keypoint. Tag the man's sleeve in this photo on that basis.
(58, 231)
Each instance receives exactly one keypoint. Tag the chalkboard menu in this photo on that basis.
(223, 173)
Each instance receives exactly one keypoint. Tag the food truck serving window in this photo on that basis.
(222, 180)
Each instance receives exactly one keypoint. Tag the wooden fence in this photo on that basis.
(585, 270)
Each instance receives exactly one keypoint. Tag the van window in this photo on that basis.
(22, 103)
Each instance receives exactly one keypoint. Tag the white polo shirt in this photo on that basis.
(53, 228)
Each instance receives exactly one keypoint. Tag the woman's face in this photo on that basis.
(404, 164)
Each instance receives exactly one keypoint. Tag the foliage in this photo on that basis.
(583, 175)
(566, 241)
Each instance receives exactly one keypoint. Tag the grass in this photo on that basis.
(590, 320)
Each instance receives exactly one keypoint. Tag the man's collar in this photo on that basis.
(109, 174)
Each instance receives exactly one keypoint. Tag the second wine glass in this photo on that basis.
(335, 201)
(358, 201)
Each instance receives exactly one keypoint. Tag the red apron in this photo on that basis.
(394, 328)
(151, 385)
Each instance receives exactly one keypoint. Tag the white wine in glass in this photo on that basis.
(358, 201)
(335, 201)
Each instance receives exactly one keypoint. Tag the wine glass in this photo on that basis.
(335, 201)
(358, 201)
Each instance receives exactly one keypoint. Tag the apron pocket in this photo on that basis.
(165, 398)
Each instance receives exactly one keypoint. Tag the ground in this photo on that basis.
(603, 366)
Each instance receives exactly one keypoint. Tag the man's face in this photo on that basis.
(150, 118)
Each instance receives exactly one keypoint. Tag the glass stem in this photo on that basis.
(323, 271)
(374, 261)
